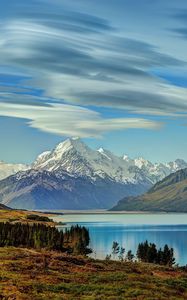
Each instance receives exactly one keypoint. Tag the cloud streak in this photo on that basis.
(68, 120)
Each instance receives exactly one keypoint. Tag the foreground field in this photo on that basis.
(27, 274)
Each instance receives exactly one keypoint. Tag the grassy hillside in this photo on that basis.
(28, 274)
(169, 195)
(23, 216)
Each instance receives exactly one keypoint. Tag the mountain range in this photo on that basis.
(168, 195)
(74, 176)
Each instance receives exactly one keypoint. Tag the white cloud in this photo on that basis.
(68, 120)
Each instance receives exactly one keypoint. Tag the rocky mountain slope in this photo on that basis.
(74, 176)
(168, 195)
(35, 189)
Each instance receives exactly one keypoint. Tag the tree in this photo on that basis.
(147, 252)
(152, 253)
(129, 256)
(42, 236)
(171, 261)
(115, 249)
(168, 256)
(159, 257)
(121, 253)
(142, 251)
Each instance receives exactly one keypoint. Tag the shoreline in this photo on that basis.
(106, 212)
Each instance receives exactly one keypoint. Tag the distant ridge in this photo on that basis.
(168, 195)
(2, 207)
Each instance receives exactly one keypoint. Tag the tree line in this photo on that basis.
(76, 240)
(146, 252)
(38, 236)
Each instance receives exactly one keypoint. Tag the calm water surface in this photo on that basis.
(131, 229)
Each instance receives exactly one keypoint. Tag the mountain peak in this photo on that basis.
(140, 162)
(70, 143)
(101, 150)
(67, 155)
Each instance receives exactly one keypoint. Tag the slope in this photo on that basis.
(168, 195)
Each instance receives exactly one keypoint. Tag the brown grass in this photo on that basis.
(13, 216)
(32, 275)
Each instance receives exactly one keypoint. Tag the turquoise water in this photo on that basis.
(131, 229)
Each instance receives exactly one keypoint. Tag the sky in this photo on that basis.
(113, 73)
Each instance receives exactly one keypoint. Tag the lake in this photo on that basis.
(131, 229)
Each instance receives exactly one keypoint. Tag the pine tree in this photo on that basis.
(115, 249)
(41, 236)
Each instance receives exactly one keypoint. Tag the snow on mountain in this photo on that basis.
(77, 158)
(177, 165)
(74, 176)
(140, 162)
(158, 171)
(42, 157)
(10, 169)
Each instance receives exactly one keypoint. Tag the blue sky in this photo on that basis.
(111, 72)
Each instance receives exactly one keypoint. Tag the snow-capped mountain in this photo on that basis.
(77, 158)
(74, 176)
(10, 169)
